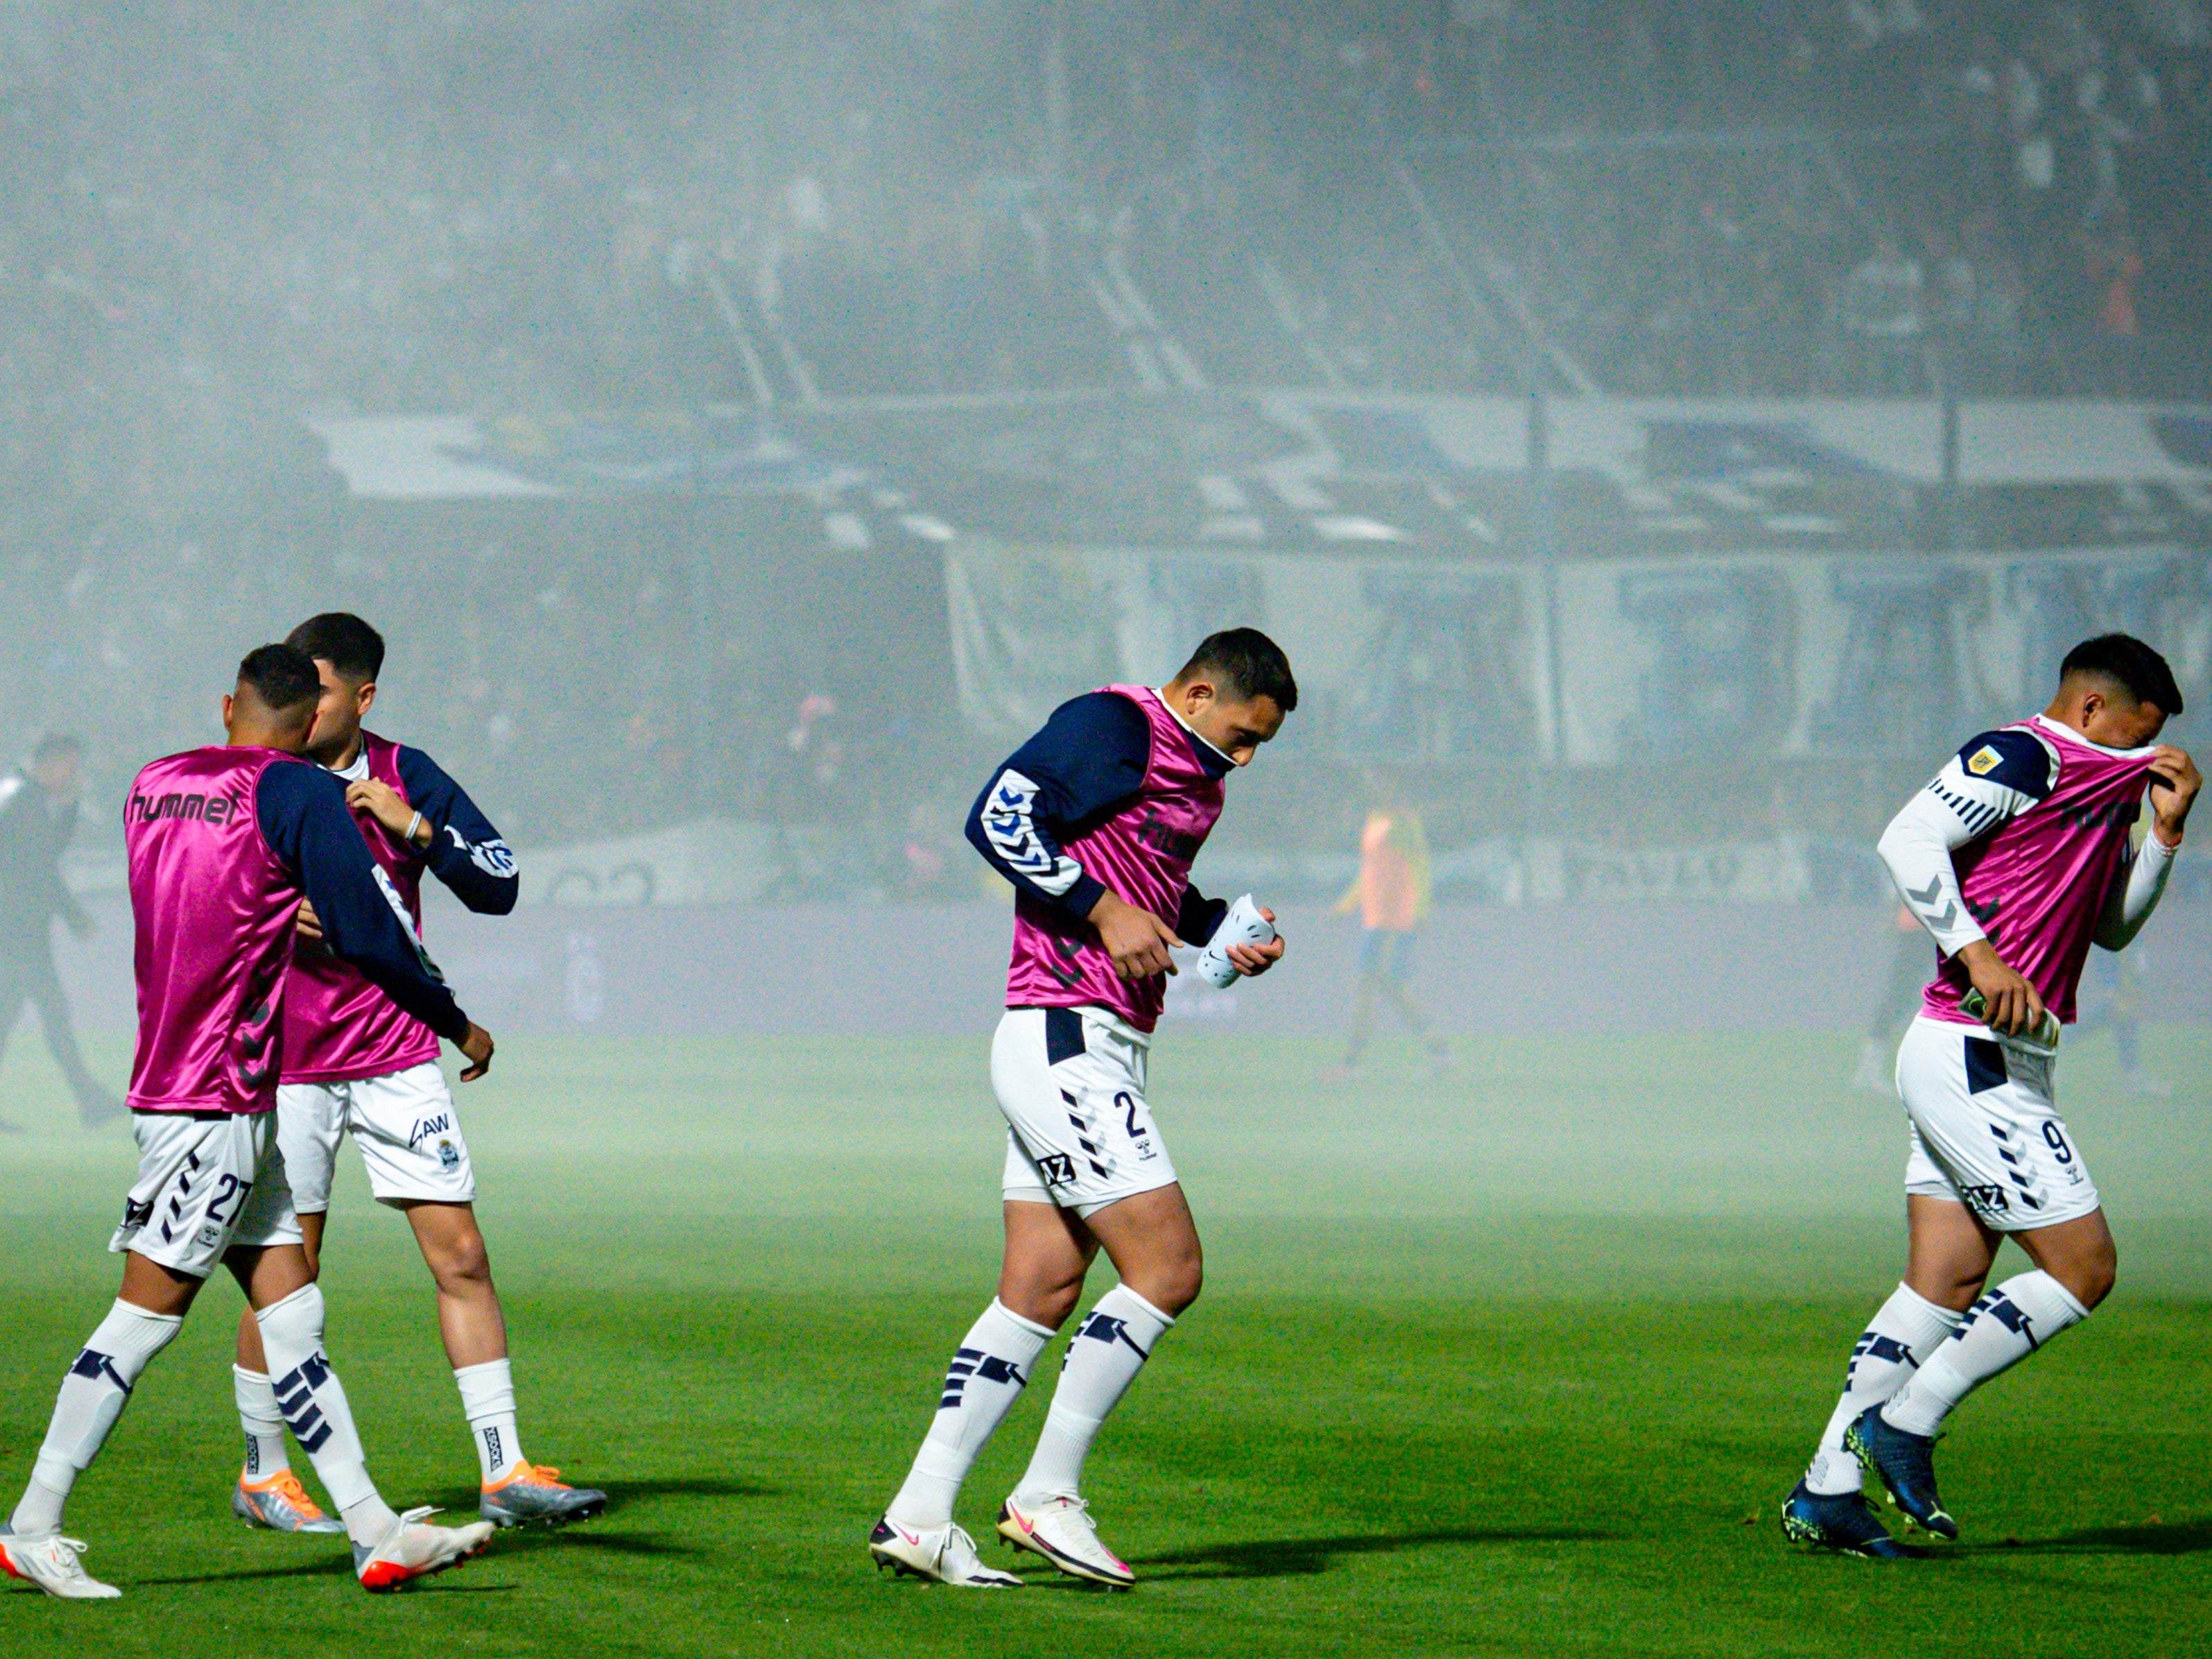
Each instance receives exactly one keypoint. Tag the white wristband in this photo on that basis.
(413, 825)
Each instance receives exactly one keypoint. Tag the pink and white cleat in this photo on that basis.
(1060, 1529)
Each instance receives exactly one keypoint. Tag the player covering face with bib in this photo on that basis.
(357, 1063)
(2016, 859)
(224, 842)
(1095, 821)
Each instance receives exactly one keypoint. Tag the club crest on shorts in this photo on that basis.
(1984, 760)
(449, 1156)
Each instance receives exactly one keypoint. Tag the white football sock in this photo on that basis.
(488, 1399)
(2002, 1328)
(261, 1424)
(1906, 1331)
(313, 1403)
(985, 1378)
(92, 1397)
(1102, 1360)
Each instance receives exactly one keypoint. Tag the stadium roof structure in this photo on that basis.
(1439, 478)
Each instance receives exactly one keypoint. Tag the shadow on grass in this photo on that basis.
(1292, 1557)
(619, 1492)
(587, 1535)
(2150, 1538)
(340, 1563)
(521, 1541)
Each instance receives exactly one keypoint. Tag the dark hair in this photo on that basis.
(282, 676)
(2130, 664)
(343, 640)
(57, 742)
(1247, 662)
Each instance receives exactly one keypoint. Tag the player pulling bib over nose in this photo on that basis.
(1095, 821)
(2016, 859)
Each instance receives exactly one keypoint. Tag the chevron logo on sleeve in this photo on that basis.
(1924, 902)
(1007, 824)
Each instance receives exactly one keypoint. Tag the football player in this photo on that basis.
(1095, 821)
(2016, 859)
(222, 843)
(358, 1064)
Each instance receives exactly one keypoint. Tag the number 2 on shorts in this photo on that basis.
(232, 1188)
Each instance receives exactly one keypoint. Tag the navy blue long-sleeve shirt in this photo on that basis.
(1084, 763)
(465, 852)
(304, 817)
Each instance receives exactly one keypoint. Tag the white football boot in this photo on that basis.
(1060, 1529)
(50, 1563)
(412, 1550)
(943, 1554)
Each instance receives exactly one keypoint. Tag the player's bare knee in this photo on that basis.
(1175, 1286)
(460, 1264)
(1042, 1298)
(2095, 1276)
(1055, 1306)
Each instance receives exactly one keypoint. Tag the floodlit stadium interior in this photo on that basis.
(1658, 433)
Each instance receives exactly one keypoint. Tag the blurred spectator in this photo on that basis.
(816, 750)
(933, 861)
(1883, 316)
(1391, 895)
(37, 818)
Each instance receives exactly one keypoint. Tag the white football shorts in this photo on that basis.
(1986, 1130)
(1078, 1134)
(208, 1182)
(404, 1124)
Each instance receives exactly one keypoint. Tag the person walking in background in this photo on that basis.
(38, 817)
(1392, 895)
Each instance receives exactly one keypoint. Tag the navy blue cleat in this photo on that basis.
(1844, 1523)
(1905, 1465)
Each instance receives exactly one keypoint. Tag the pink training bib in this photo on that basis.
(1143, 852)
(2038, 885)
(213, 909)
(338, 1025)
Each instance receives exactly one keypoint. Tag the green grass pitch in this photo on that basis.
(1520, 1362)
